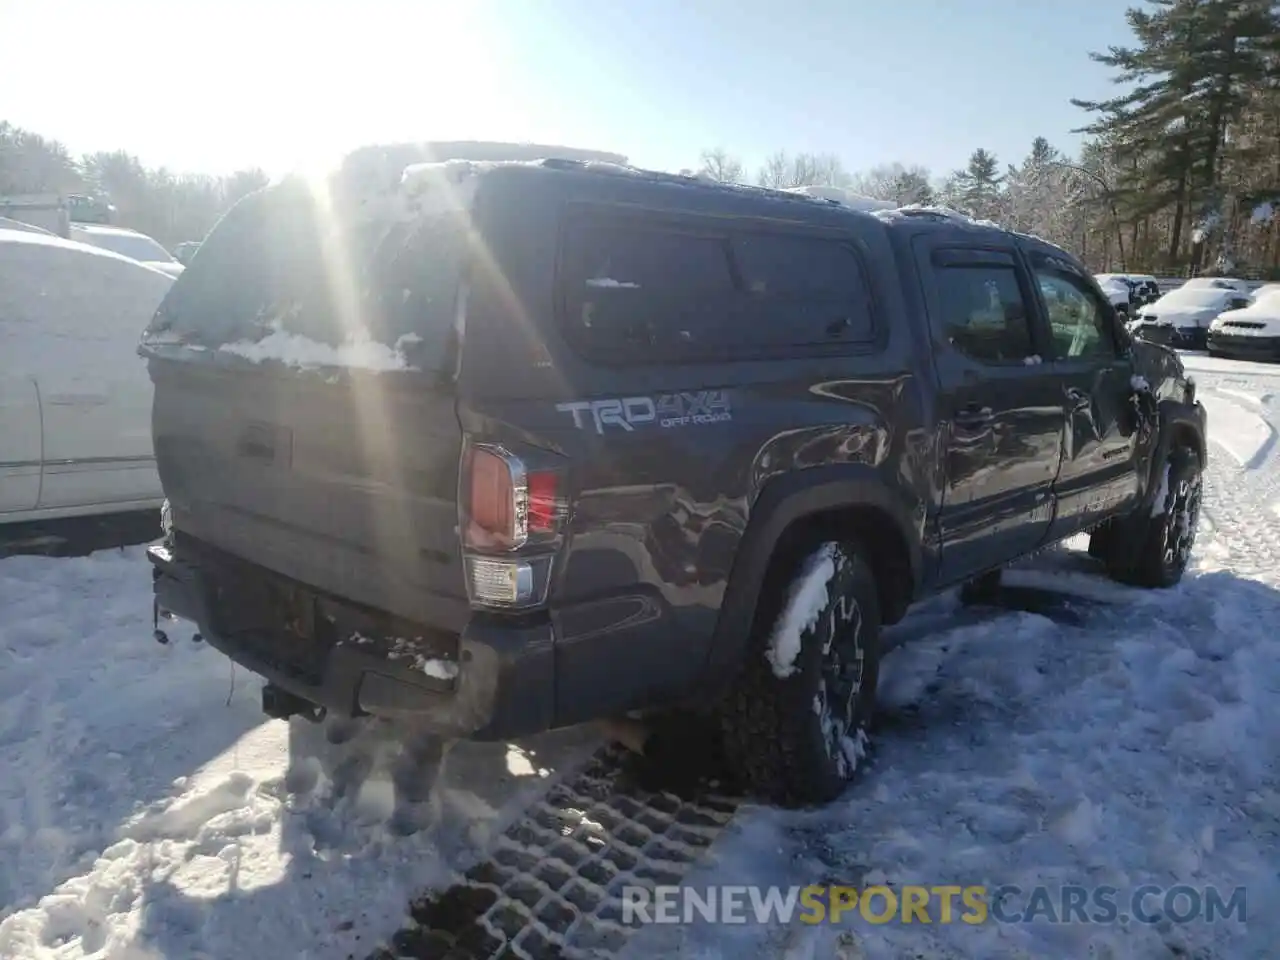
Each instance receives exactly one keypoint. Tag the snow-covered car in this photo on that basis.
(1128, 291)
(75, 399)
(1216, 283)
(1117, 290)
(1265, 290)
(7, 224)
(1182, 318)
(1146, 288)
(127, 243)
(1252, 331)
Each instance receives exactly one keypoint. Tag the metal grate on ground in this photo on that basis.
(551, 888)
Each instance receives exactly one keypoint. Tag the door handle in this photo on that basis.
(1079, 399)
(974, 416)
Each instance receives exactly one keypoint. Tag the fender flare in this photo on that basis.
(1174, 414)
(782, 502)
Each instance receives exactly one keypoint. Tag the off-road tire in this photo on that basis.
(1170, 534)
(785, 738)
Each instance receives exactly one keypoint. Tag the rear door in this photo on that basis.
(1092, 375)
(305, 415)
(1001, 418)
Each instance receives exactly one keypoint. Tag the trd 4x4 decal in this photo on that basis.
(667, 410)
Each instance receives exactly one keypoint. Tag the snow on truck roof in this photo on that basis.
(380, 193)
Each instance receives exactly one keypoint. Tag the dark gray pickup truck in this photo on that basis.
(485, 449)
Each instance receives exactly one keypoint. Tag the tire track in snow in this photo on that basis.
(1240, 499)
(551, 888)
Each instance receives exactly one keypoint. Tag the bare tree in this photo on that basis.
(902, 184)
(781, 171)
(719, 164)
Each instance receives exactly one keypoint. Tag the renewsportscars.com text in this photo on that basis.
(939, 904)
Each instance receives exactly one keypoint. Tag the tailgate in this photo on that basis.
(304, 418)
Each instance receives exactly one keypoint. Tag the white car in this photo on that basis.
(1252, 331)
(1117, 290)
(127, 243)
(1216, 283)
(1138, 289)
(1265, 290)
(1181, 318)
(75, 398)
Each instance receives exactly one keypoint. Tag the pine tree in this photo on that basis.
(976, 189)
(1191, 72)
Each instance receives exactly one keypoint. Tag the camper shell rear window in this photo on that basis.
(284, 267)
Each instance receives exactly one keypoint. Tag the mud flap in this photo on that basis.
(1127, 534)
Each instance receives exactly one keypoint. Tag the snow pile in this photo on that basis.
(608, 283)
(1243, 432)
(805, 602)
(1162, 493)
(358, 351)
(846, 198)
(1264, 212)
(437, 668)
(945, 213)
(148, 808)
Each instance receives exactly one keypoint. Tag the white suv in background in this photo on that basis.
(127, 243)
(75, 399)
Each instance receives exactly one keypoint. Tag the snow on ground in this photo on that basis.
(1238, 427)
(143, 808)
(1096, 735)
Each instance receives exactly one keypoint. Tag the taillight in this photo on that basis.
(506, 506)
(544, 505)
(497, 501)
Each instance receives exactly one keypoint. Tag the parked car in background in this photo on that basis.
(127, 243)
(1265, 290)
(1146, 289)
(1182, 318)
(1251, 332)
(1119, 294)
(75, 401)
(1139, 289)
(1216, 283)
(7, 224)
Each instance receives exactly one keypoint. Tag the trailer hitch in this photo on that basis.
(280, 704)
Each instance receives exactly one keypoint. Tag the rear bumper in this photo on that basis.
(503, 676)
(1256, 348)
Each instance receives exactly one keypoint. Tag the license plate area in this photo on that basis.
(274, 622)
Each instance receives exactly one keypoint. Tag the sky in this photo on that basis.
(214, 85)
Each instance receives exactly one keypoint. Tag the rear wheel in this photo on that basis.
(795, 722)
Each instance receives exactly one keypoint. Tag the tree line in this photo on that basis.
(1178, 174)
(172, 207)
